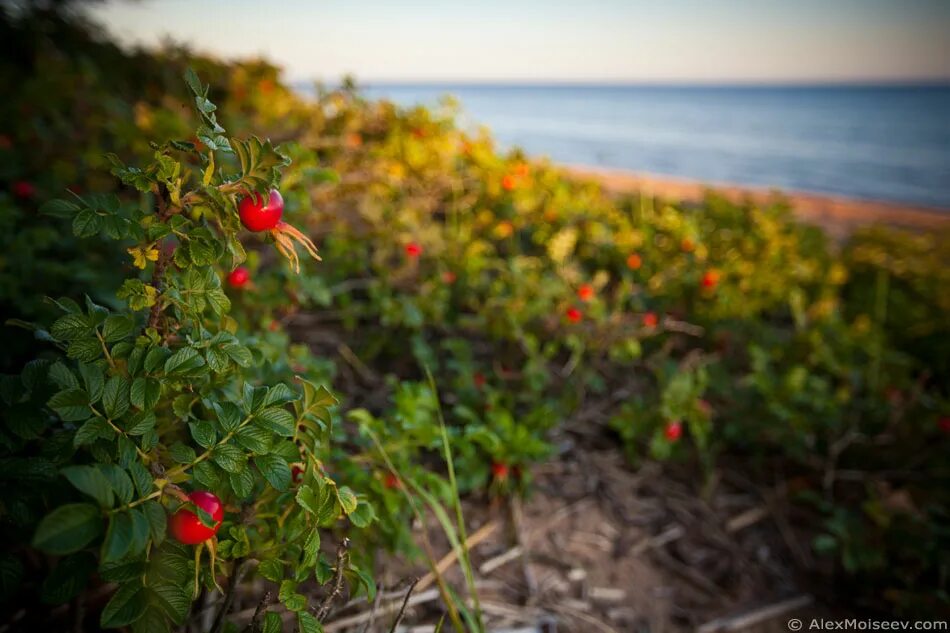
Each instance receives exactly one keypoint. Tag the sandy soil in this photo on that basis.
(837, 215)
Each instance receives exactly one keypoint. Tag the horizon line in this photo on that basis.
(935, 82)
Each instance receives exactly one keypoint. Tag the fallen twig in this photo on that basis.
(402, 609)
(756, 616)
(449, 559)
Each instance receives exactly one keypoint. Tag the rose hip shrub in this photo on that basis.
(152, 454)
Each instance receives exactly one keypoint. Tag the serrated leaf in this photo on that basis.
(71, 326)
(272, 569)
(86, 223)
(93, 429)
(116, 327)
(140, 423)
(182, 453)
(242, 483)
(115, 397)
(311, 548)
(254, 439)
(94, 380)
(68, 578)
(307, 499)
(141, 478)
(203, 433)
(125, 607)
(275, 470)
(157, 520)
(91, 481)
(307, 623)
(184, 361)
(363, 515)
(145, 393)
(120, 481)
(278, 395)
(156, 358)
(273, 623)
(68, 528)
(229, 415)
(229, 457)
(118, 537)
(71, 405)
(347, 499)
(174, 601)
(62, 376)
(277, 420)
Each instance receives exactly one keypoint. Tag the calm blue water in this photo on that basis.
(887, 143)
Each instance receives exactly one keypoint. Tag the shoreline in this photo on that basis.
(838, 215)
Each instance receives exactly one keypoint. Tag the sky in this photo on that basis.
(649, 41)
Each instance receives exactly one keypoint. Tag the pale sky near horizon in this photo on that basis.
(557, 40)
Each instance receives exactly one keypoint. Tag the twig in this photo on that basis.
(254, 626)
(324, 608)
(389, 607)
(402, 609)
(372, 613)
(492, 564)
(239, 569)
(480, 535)
(668, 535)
(756, 616)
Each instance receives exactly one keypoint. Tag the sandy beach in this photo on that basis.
(836, 214)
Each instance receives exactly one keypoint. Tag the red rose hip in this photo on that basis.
(585, 292)
(185, 525)
(256, 215)
(499, 471)
(673, 431)
(239, 277)
(574, 315)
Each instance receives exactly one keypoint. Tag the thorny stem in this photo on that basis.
(324, 608)
(158, 275)
(238, 571)
(402, 609)
(254, 626)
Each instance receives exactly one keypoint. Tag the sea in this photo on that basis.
(881, 142)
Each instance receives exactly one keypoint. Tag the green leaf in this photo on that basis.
(307, 499)
(118, 537)
(157, 520)
(140, 423)
(68, 578)
(347, 499)
(59, 208)
(145, 393)
(229, 457)
(142, 478)
(120, 481)
(90, 480)
(242, 483)
(62, 376)
(141, 530)
(115, 397)
(68, 528)
(182, 453)
(86, 223)
(254, 439)
(275, 470)
(122, 571)
(239, 354)
(272, 569)
(173, 599)
(94, 380)
(229, 415)
(277, 420)
(71, 326)
(86, 350)
(126, 606)
(93, 429)
(363, 515)
(116, 327)
(218, 361)
(152, 620)
(184, 361)
(308, 623)
(71, 405)
(155, 358)
(278, 395)
(273, 623)
(311, 548)
(203, 433)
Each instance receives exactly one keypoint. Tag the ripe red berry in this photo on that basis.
(574, 315)
(413, 250)
(296, 473)
(710, 278)
(23, 189)
(239, 277)
(257, 216)
(634, 261)
(508, 182)
(479, 379)
(391, 481)
(499, 470)
(585, 292)
(448, 277)
(650, 319)
(673, 430)
(944, 424)
(185, 525)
